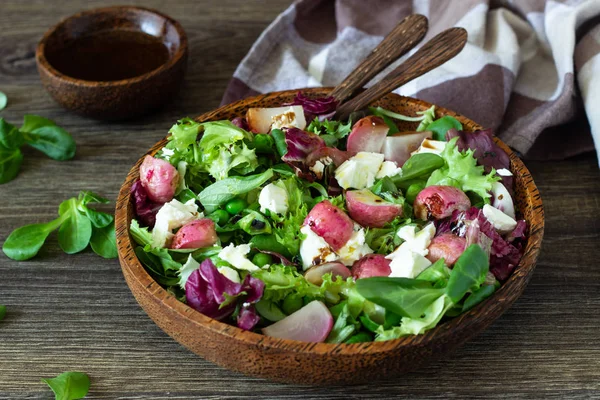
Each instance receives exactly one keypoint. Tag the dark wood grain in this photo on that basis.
(76, 312)
(441, 48)
(406, 35)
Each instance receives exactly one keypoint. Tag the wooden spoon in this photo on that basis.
(406, 35)
(434, 53)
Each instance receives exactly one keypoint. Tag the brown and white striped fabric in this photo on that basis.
(530, 70)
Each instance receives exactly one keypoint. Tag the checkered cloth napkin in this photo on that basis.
(530, 69)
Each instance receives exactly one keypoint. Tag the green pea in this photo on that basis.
(262, 259)
(235, 206)
(263, 143)
(413, 190)
(220, 217)
(291, 304)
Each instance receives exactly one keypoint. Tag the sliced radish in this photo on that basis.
(446, 246)
(439, 202)
(369, 209)
(371, 265)
(331, 223)
(315, 274)
(159, 178)
(399, 146)
(196, 234)
(368, 134)
(311, 323)
(261, 119)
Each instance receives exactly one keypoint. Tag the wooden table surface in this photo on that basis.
(76, 312)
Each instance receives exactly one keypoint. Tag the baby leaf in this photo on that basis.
(53, 141)
(403, 296)
(2, 312)
(98, 218)
(478, 296)
(10, 137)
(69, 385)
(75, 232)
(104, 242)
(10, 163)
(32, 122)
(25, 242)
(468, 273)
(439, 127)
(226, 189)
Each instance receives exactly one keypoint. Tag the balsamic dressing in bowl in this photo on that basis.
(110, 55)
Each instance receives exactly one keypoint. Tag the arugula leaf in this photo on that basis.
(403, 296)
(2, 312)
(461, 171)
(468, 273)
(69, 385)
(440, 126)
(224, 190)
(75, 232)
(104, 241)
(3, 101)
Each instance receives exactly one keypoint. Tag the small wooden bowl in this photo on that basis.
(117, 99)
(322, 363)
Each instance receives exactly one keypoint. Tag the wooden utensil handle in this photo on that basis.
(434, 53)
(406, 35)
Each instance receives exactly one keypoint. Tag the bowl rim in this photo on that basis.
(495, 305)
(42, 61)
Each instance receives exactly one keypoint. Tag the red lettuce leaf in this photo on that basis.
(322, 108)
(241, 123)
(247, 317)
(145, 209)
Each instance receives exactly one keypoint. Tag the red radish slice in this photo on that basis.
(446, 246)
(369, 209)
(159, 178)
(399, 146)
(368, 134)
(371, 265)
(311, 323)
(315, 274)
(439, 202)
(196, 234)
(331, 223)
(261, 119)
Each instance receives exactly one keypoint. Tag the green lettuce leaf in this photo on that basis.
(280, 281)
(219, 161)
(286, 228)
(184, 133)
(461, 171)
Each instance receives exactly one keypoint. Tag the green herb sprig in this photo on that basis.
(37, 132)
(78, 225)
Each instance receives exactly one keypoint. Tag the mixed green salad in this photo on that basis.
(290, 223)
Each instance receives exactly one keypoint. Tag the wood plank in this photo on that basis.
(76, 312)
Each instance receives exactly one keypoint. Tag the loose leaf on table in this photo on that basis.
(468, 273)
(3, 101)
(44, 135)
(75, 232)
(10, 137)
(99, 219)
(69, 385)
(403, 296)
(2, 312)
(226, 189)
(104, 241)
(25, 242)
(10, 163)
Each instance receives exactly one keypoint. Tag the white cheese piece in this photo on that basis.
(230, 274)
(236, 256)
(360, 171)
(172, 215)
(292, 116)
(355, 248)
(502, 199)
(417, 242)
(430, 146)
(186, 270)
(501, 222)
(181, 170)
(274, 199)
(318, 169)
(504, 172)
(167, 153)
(314, 250)
(407, 263)
(388, 168)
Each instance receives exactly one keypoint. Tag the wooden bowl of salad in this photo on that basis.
(283, 245)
